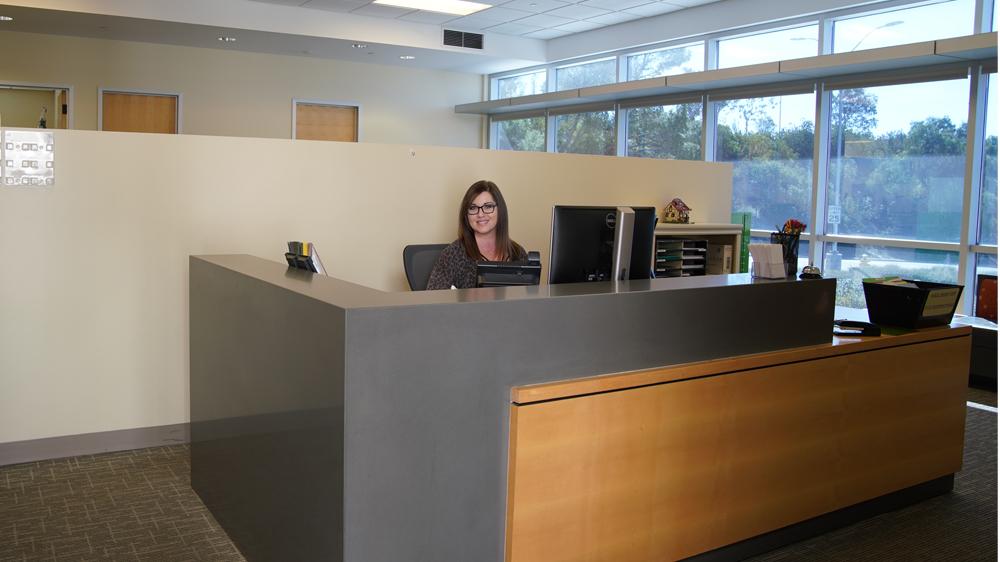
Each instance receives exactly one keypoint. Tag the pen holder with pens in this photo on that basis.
(789, 251)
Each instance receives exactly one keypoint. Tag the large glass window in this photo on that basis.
(988, 201)
(859, 261)
(770, 143)
(521, 85)
(586, 74)
(521, 134)
(772, 46)
(666, 62)
(897, 161)
(664, 131)
(907, 25)
(586, 133)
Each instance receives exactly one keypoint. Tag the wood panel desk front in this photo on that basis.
(668, 463)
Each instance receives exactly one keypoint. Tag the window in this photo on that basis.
(521, 85)
(988, 190)
(666, 62)
(897, 161)
(586, 74)
(521, 134)
(908, 25)
(770, 143)
(858, 261)
(664, 131)
(772, 46)
(586, 133)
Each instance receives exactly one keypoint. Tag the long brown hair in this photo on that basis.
(507, 249)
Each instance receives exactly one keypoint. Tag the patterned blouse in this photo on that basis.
(455, 267)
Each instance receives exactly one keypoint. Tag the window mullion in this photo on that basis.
(971, 192)
(821, 158)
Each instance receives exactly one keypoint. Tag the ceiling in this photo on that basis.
(516, 32)
(536, 19)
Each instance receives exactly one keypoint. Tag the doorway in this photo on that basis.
(34, 106)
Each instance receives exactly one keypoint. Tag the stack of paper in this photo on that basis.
(768, 262)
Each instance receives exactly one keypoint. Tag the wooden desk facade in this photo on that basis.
(668, 463)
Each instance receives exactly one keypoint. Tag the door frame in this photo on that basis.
(100, 103)
(14, 84)
(338, 103)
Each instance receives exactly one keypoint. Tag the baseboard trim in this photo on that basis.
(828, 522)
(17, 452)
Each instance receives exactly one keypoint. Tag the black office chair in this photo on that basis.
(418, 261)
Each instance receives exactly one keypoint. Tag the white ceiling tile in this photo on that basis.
(536, 6)
(613, 5)
(500, 15)
(512, 28)
(614, 17)
(578, 26)
(470, 23)
(421, 16)
(543, 20)
(690, 3)
(283, 2)
(335, 5)
(380, 11)
(547, 34)
(653, 9)
(577, 11)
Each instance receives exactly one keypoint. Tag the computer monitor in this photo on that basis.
(585, 246)
(509, 274)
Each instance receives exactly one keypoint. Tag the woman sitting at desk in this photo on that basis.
(483, 235)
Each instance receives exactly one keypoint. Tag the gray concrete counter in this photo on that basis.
(337, 422)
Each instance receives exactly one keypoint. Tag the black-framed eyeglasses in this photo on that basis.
(487, 208)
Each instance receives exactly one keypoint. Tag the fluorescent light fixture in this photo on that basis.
(457, 7)
(6, 18)
(227, 39)
(359, 45)
(406, 57)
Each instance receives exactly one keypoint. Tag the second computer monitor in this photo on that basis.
(584, 244)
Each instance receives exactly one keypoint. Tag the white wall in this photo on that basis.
(249, 94)
(93, 288)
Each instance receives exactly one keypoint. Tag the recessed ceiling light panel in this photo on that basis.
(359, 45)
(227, 39)
(457, 7)
(406, 57)
(6, 18)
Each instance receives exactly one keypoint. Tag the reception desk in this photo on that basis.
(337, 422)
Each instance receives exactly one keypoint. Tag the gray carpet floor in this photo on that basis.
(139, 505)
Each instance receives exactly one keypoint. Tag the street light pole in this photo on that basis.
(833, 258)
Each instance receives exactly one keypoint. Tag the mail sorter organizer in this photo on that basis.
(679, 257)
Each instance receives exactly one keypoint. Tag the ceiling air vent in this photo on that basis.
(463, 39)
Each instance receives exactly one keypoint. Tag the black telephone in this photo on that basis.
(855, 328)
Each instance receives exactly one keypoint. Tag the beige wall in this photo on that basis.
(247, 94)
(93, 288)
(22, 108)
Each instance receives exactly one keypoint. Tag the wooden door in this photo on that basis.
(139, 113)
(61, 110)
(315, 121)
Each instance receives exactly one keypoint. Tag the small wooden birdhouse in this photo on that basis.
(677, 212)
